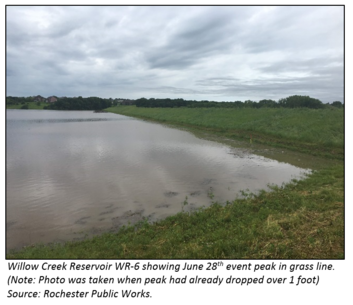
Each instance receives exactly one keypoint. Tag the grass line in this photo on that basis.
(319, 132)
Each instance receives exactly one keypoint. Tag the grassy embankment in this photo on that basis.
(31, 105)
(318, 132)
(304, 219)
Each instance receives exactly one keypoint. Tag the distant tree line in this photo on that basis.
(96, 103)
(295, 101)
(65, 103)
(15, 100)
(79, 103)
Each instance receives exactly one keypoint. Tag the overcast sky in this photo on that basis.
(219, 53)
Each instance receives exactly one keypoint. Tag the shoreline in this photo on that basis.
(303, 219)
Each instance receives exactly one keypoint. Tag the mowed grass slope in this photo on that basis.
(318, 131)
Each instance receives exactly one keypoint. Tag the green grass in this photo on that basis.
(303, 219)
(315, 131)
(31, 105)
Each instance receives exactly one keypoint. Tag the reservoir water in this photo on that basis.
(76, 173)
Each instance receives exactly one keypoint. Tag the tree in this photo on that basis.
(337, 104)
(248, 103)
(298, 101)
(267, 103)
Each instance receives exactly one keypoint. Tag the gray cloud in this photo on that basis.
(192, 52)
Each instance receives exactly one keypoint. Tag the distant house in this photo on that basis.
(51, 99)
(39, 98)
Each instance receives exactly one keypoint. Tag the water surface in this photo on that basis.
(72, 173)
